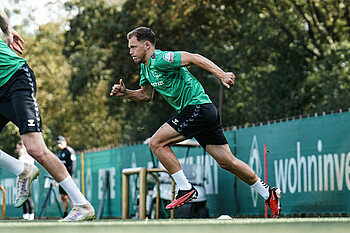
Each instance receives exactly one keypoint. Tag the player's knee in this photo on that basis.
(227, 164)
(33, 150)
(37, 152)
(154, 144)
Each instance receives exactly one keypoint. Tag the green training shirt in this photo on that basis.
(174, 82)
(10, 62)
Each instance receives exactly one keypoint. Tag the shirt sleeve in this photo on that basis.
(169, 61)
(73, 156)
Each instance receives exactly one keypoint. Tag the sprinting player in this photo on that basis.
(197, 116)
(18, 105)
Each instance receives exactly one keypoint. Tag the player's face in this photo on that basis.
(137, 50)
(62, 145)
(20, 146)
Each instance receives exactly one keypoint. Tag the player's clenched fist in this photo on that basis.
(118, 89)
(228, 79)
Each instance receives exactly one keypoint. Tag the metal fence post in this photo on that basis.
(3, 212)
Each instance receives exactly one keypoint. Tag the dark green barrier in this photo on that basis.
(309, 160)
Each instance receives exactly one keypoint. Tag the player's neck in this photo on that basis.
(148, 55)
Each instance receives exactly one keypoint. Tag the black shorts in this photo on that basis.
(201, 122)
(18, 103)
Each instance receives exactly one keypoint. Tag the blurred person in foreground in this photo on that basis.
(68, 158)
(19, 105)
(166, 72)
(28, 205)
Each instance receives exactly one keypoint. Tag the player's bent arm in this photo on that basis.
(144, 94)
(201, 61)
(227, 78)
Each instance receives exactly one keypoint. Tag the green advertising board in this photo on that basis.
(308, 159)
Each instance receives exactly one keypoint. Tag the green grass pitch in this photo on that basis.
(286, 225)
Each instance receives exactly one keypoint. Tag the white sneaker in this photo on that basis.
(26, 216)
(80, 213)
(24, 183)
(31, 217)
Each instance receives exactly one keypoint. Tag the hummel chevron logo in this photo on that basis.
(31, 122)
(175, 121)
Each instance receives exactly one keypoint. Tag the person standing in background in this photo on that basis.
(28, 205)
(68, 158)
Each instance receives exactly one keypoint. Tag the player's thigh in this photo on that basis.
(166, 135)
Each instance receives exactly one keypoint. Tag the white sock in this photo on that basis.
(73, 191)
(181, 180)
(261, 188)
(10, 163)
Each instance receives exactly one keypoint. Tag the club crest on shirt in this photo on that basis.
(169, 56)
(154, 56)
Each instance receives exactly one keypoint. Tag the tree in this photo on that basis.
(289, 57)
(84, 121)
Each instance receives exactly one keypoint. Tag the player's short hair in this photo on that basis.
(143, 34)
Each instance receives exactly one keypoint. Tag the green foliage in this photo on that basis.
(84, 121)
(289, 57)
(8, 139)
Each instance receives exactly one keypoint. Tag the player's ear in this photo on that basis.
(147, 44)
